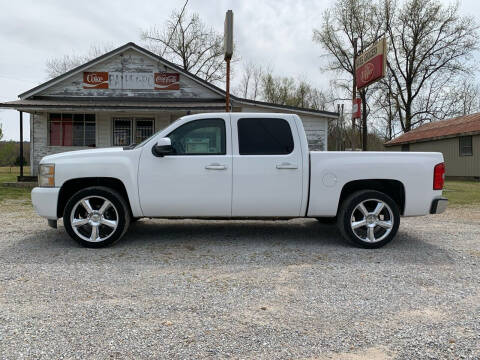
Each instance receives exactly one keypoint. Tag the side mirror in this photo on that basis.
(162, 147)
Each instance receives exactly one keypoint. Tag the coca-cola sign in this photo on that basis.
(167, 81)
(131, 80)
(95, 80)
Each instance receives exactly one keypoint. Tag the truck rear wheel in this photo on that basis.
(96, 216)
(369, 219)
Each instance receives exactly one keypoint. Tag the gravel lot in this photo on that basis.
(250, 289)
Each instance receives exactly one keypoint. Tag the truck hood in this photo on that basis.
(49, 159)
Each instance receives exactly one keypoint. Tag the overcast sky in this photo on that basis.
(277, 33)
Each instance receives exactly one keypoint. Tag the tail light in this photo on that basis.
(438, 176)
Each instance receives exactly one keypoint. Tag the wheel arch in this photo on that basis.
(393, 188)
(71, 186)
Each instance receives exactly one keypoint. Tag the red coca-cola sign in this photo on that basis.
(167, 81)
(95, 80)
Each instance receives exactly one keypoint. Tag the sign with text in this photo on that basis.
(95, 80)
(167, 81)
(371, 64)
(131, 80)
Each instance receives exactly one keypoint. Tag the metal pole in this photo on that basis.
(354, 91)
(21, 144)
(340, 134)
(227, 87)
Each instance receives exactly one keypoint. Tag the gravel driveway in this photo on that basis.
(249, 289)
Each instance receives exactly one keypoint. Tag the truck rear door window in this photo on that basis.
(258, 136)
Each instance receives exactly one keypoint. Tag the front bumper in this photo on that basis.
(439, 205)
(44, 201)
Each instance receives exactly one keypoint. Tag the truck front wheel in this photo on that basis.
(96, 216)
(369, 218)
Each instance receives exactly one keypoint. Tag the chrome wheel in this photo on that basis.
(372, 220)
(94, 218)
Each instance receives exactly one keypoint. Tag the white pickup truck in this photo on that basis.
(236, 166)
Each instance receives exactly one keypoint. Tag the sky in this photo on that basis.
(274, 33)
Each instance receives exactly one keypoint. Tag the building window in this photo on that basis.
(71, 129)
(143, 129)
(465, 144)
(131, 130)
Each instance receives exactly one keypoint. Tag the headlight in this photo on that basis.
(46, 175)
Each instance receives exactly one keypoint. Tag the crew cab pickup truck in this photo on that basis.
(236, 166)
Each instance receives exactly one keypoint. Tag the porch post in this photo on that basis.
(21, 144)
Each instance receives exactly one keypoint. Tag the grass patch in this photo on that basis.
(462, 192)
(9, 174)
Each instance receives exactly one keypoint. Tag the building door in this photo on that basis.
(131, 130)
(195, 180)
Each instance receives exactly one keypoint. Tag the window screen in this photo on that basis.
(122, 132)
(71, 129)
(264, 137)
(199, 137)
(143, 129)
(465, 143)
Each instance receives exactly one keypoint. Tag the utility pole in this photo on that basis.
(228, 49)
(227, 87)
(354, 91)
(364, 125)
(21, 145)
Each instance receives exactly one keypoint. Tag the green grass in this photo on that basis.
(9, 174)
(462, 192)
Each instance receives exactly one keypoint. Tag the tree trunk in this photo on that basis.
(408, 118)
(364, 130)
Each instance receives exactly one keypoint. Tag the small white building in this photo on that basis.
(126, 95)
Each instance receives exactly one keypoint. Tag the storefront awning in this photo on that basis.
(99, 105)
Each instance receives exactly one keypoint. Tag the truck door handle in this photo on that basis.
(215, 166)
(286, 165)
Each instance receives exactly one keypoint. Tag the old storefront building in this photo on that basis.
(125, 96)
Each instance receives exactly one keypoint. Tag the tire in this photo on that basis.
(100, 216)
(327, 220)
(371, 226)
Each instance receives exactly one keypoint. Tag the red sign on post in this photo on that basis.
(95, 80)
(356, 108)
(370, 65)
(167, 81)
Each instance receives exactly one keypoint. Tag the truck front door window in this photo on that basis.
(199, 137)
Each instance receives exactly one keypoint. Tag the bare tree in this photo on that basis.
(430, 45)
(186, 41)
(246, 79)
(346, 21)
(257, 75)
(60, 65)
(251, 80)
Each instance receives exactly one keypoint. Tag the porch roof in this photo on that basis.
(107, 105)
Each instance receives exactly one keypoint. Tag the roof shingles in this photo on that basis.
(440, 129)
